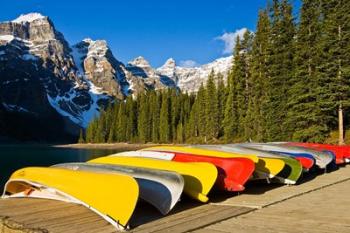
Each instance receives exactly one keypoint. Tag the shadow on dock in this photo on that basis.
(146, 213)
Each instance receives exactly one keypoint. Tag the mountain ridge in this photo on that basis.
(75, 82)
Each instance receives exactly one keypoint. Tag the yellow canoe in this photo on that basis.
(199, 177)
(264, 167)
(112, 196)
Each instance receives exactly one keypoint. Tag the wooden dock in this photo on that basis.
(222, 214)
(41, 216)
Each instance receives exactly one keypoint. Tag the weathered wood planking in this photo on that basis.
(40, 216)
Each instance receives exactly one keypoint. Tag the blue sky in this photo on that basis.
(183, 29)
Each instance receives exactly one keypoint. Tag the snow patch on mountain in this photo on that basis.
(96, 48)
(28, 17)
(7, 38)
(80, 80)
(139, 62)
(189, 64)
(95, 92)
(189, 79)
(168, 68)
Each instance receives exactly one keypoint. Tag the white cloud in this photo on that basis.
(229, 38)
(189, 63)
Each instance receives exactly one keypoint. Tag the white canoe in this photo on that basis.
(321, 159)
(162, 189)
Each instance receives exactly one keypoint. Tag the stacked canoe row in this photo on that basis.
(112, 185)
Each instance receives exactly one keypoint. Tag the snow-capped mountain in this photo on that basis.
(41, 74)
(190, 79)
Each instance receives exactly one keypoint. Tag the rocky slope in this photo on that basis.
(43, 78)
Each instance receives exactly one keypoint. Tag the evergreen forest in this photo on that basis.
(288, 82)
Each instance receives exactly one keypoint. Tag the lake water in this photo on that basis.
(16, 157)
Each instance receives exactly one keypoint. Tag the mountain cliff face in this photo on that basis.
(44, 79)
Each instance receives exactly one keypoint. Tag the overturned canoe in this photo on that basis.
(306, 160)
(233, 173)
(321, 159)
(291, 171)
(96, 191)
(160, 188)
(264, 167)
(199, 177)
(340, 152)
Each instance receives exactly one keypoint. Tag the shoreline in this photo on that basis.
(109, 146)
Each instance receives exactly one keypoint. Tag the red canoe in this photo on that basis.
(307, 163)
(341, 152)
(233, 173)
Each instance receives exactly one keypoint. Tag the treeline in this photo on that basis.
(288, 81)
(163, 116)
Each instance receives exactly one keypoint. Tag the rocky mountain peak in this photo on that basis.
(169, 64)
(87, 40)
(41, 73)
(139, 62)
(98, 48)
(168, 70)
(30, 17)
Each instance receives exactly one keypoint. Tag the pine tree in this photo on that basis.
(230, 113)
(335, 79)
(186, 111)
(236, 105)
(174, 113)
(193, 121)
(211, 108)
(100, 133)
(201, 111)
(255, 119)
(131, 113)
(81, 137)
(143, 119)
(121, 123)
(89, 132)
(243, 81)
(155, 111)
(180, 133)
(305, 120)
(281, 51)
(221, 96)
(164, 128)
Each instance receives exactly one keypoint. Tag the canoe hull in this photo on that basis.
(265, 167)
(160, 188)
(112, 202)
(288, 175)
(233, 173)
(340, 151)
(199, 177)
(321, 159)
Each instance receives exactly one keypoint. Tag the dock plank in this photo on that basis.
(51, 216)
(30, 214)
